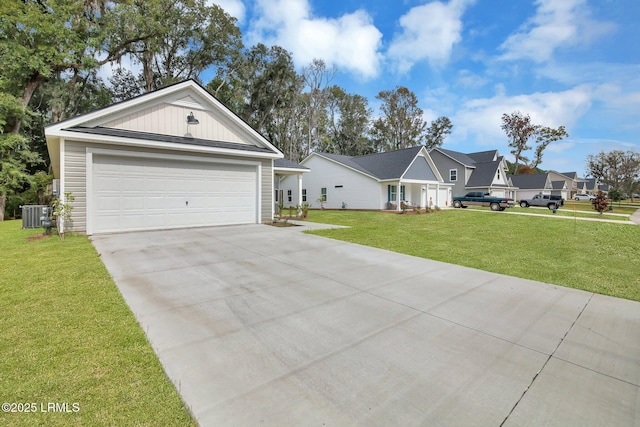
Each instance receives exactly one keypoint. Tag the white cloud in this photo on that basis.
(234, 8)
(469, 79)
(556, 24)
(349, 42)
(428, 32)
(482, 118)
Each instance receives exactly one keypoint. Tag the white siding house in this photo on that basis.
(375, 181)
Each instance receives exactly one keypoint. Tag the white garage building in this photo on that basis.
(171, 158)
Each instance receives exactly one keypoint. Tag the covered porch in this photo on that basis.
(295, 195)
(417, 194)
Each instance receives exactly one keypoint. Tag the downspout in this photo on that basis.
(59, 221)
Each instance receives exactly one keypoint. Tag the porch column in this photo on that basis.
(300, 189)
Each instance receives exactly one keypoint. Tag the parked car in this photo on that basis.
(582, 196)
(545, 200)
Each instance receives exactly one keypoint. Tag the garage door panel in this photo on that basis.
(137, 194)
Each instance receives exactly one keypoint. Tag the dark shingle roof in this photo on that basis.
(147, 136)
(533, 181)
(572, 175)
(484, 156)
(287, 164)
(460, 157)
(389, 165)
(483, 174)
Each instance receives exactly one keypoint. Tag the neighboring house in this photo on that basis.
(171, 158)
(484, 171)
(374, 181)
(574, 184)
(538, 183)
(294, 195)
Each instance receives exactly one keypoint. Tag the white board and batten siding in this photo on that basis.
(170, 119)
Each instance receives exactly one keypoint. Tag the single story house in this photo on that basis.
(538, 183)
(172, 158)
(484, 171)
(375, 181)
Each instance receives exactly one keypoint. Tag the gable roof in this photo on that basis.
(534, 181)
(458, 157)
(572, 175)
(483, 174)
(382, 166)
(115, 125)
(484, 166)
(484, 156)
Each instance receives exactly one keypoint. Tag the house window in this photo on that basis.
(304, 194)
(323, 194)
(498, 174)
(453, 174)
(289, 196)
(402, 193)
(392, 193)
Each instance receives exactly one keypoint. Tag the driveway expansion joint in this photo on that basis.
(528, 387)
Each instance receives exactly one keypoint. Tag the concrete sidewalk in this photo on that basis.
(270, 326)
(635, 217)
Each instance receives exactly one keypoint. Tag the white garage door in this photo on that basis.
(132, 193)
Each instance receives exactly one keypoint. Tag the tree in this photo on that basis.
(437, 132)
(349, 117)
(38, 40)
(15, 158)
(188, 37)
(401, 124)
(520, 130)
(546, 136)
(263, 88)
(600, 203)
(619, 169)
(316, 77)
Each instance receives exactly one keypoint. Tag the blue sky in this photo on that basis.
(564, 62)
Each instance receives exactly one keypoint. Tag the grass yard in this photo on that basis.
(68, 337)
(564, 212)
(594, 256)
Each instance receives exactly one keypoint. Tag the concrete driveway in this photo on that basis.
(257, 325)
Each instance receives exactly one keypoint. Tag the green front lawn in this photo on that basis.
(67, 337)
(594, 256)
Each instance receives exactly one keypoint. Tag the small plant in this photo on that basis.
(321, 201)
(403, 207)
(600, 202)
(417, 209)
(62, 212)
(305, 209)
(292, 210)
